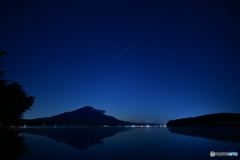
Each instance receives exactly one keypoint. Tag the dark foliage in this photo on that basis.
(14, 101)
(211, 120)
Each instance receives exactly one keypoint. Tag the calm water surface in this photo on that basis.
(125, 143)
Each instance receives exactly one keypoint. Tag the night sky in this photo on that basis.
(140, 60)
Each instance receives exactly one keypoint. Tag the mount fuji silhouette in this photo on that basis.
(83, 116)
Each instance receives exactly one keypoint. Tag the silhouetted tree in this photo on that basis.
(2, 81)
(14, 101)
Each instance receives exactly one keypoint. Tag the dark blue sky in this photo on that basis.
(140, 60)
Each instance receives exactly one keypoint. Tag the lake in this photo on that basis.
(128, 143)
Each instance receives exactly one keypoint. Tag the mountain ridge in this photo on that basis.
(209, 120)
(82, 116)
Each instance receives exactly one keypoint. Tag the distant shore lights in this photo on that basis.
(145, 125)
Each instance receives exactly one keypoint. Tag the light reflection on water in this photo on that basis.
(123, 143)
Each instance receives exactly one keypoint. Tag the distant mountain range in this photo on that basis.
(83, 116)
(210, 120)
